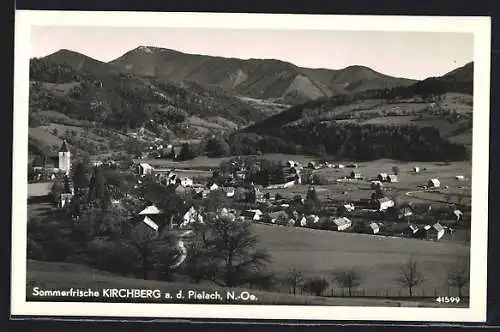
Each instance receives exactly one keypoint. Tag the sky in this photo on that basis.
(415, 55)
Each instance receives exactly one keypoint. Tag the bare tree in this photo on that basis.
(410, 276)
(347, 279)
(294, 278)
(459, 275)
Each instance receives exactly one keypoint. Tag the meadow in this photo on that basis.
(377, 258)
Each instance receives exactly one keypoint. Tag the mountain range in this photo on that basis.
(185, 96)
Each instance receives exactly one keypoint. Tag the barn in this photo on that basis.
(434, 183)
(382, 177)
(384, 203)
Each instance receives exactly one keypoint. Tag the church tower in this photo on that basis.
(64, 158)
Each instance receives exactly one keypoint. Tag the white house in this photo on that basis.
(458, 214)
(342, 223)
(416, 169)
(312, 218)
(384, 203)
(186, 182)
(214, 187)
(150, 210)
(392, 178)
(460, 177)
(303, 222)
(148, 221)
(292, 163)
(434, 183)
(144, 169)
(349, 207)
(374, 227)
(191, 216)
(435, 232)
(289, 184)
(251, 214)
(382, 177)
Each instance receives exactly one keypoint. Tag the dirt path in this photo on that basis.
(183, 249)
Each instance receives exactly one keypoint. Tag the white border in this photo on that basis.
(479, 26)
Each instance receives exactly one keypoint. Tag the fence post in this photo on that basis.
(332, 292)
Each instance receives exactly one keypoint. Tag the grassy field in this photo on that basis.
(378, 258)
(55, 275)
(402, 190)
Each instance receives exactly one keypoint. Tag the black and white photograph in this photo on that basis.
(250, 166)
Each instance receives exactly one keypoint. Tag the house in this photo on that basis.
(416, 169)
(392, 178)
(384, 203)
(311, 164)
(312, 219)
(150, 216)
(410, 230)
(144, 169)
(349, 207)
(229, 191)
(458, 214)
(291, 163)
(405, 212)
(435, 232)
(340, 166)
(341, 224)
(460, 177)
(434, 183)
(213, 187)
(374, 228)
(276, 217)
(302, 222)
(191, 216)
(67, 193)
(251, 214)
(382, 177)
(355, 175)
(186, 182)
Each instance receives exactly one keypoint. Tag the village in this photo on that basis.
(294, 198)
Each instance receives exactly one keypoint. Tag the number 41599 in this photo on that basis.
(447, 299)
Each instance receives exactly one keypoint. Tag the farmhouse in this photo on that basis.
(190, 217)
(405, 212)
(374, 228)
(251, 215)
(355, 175)
(150, 216)
(341, 224)
(276, 217)
(460, 177)
(382, 177)
(435, 232)
(410, 230)
(312, 219)
(384, 203)
(458, 214)
(144, 169)
(186, 182)
(416, 169)
(392, 178)
(434, 183)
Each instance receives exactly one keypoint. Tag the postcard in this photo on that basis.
(250, 166)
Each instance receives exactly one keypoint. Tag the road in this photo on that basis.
(183, 249)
